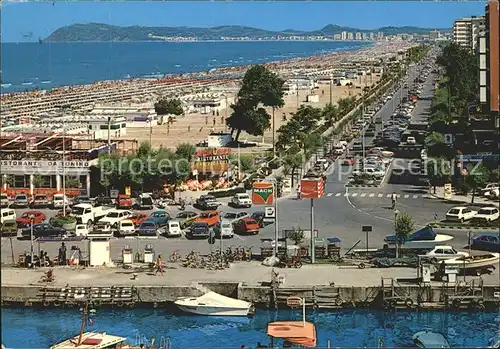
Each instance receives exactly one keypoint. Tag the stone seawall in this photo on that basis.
(320, 296)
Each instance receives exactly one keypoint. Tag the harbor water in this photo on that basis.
(40, 328)
(26, 66)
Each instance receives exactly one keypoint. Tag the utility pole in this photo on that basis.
(313, 240)
(331, 88)
(109, 135)
(276, 228)
(64, 166)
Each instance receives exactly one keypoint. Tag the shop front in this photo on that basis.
(45, 176)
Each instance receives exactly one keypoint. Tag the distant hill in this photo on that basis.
(99, 32)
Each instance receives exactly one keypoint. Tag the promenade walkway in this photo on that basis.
(465, 199)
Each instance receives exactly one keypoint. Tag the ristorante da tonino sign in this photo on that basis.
(43, 166)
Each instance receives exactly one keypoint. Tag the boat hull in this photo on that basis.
(470, 264)
(215, 311)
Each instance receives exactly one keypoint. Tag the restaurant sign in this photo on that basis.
(212, 160)
(43, 166)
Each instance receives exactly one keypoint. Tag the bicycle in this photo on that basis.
(174, 257)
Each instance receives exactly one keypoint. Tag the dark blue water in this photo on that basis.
(30, 328)
(34, 65)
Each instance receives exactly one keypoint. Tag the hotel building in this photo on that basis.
(466, 31)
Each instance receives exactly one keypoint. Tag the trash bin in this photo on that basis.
(127, 257)
(333, 248)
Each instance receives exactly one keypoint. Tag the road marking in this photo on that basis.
(363, 195)
(329, 194)
(415, 196)
(380, 195)
(346, 194)
(406, 196)
(371, 195)
(388, 195)
(338, 194)
(239, 237)
(354, 194)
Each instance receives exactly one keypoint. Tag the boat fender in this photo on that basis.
(361, 265)
(339, 301)
(480, 305)
(46, 303)
(409, 302)
(155, 305)
(457, 303)
(120, 304)
(392, 304)
(131, 305)
(57, 303)
(28, 304)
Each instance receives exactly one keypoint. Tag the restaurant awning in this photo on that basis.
(296, 332)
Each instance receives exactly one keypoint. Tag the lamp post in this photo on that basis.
(32, 248)
(396, 212)
(331, 88)
(64, 166)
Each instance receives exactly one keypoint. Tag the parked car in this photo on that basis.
(25, 220)
(444, 252)
(81, 230)
(173, 228)
(198, 230)
(104, 201)
(124, 202)
(4, 200)
(160, 217)
(125, 227)
(21, 200)
(207, 202)
(246, 226)
(7, 214)
(241, 200)
(144, 202)
(40, 201)
(488, 214)
(138, 218)
(149, 228)
(82, 199)
(9, 228)
(210, 218)
(224, 229)
(460, 213)
(486, 242)
(43, 230)
(233, 216)
(411, 140)
(349, 161)
(185, 218)
(114, 216)
(59, 201)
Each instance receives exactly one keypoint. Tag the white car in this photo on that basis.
(445, 252)
(81, 230)
(460, 213)
(113, 217)
(125, 227)
(411, 140)
(489, 187)
(493, 193)
(233, 216)
(488, 214)
(241, 200)
(173, 228)
(224, 229)
(323, 162)
(59, 200)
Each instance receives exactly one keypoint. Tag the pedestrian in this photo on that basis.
(189, 128)
(214, 121)
(222, 120)
(168, 129)
(159, 265)
(201, 129)
(217, 113)
(206, 120)
(62, 254)
(393, 199)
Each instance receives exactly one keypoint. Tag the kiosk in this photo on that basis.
(100, 251)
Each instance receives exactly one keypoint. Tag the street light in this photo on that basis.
(32, 248)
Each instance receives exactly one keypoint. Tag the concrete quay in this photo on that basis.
(322, 286)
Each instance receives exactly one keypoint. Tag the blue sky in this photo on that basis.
(39, 19)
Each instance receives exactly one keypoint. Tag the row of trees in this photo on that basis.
(167, 106)
(148, 168)
(39, 181)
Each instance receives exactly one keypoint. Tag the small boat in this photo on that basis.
(425, 238)
(214, 304)
(428, 339)
(94, 340)
(487, 260)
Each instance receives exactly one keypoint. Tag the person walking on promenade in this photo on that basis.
(206, 120)
(214, 122)
(159, 265)
(189, 128)
(394, 199)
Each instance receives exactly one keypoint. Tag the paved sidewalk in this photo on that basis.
(251, 273)
(478, 200)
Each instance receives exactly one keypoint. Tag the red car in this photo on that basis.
(246, 226)
(25, 219)
(137, 218)
(349, 161)
(124, 202)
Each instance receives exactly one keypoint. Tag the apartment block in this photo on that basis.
(350, 36)
(372, 36)
(434, 35)
(466, 31)
(358, 36)
(344, 35)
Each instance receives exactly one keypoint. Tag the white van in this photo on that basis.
(59, 200)
(7, 214)
(174, 228)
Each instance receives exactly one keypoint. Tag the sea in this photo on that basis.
(41, 328)
(28, 66)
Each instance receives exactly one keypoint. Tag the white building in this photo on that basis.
(343, 35)
(466, 31)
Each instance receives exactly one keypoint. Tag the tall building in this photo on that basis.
(372, 36)
(434, 35)
(344, 35)
(350, 36)
(492, 43)
(466, 31)
(365, 36)
(380, 35)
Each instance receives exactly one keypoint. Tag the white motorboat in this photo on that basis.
(424, 238)
(428, 339)
(487, 260)
(214, 304)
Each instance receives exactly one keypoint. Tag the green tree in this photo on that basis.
(438, 171)
(71, 182)
(6, 179)
(403, 226)
(477, 178)
(185, 151)
(37, 181)
(330, 114)
(435, 145)
(169, 106)
(297, 236)
(292, 162)
(260, 86)
(495, 175)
